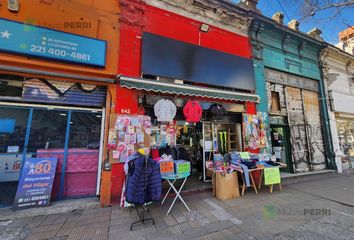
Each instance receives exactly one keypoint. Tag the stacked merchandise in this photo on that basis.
(225, 180)
(164, 134)
(249, 161)
(172, 160)
(170, 168)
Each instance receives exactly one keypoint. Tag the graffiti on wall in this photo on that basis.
(296, 98)
(307, 146)
(305, 129)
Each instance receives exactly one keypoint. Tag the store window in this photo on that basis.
(47, 132)
(346, 140)
(13, 126)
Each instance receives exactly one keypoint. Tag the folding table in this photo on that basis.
(171, 179)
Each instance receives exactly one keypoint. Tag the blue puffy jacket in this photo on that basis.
(144, 181)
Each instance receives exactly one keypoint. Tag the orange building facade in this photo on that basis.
(51, 107)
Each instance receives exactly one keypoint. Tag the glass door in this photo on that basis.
(47, 138)
(13, 128)
(207, 149)
(281, 145)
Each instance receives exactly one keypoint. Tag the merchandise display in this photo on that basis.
(192, 111)
(165, 110)
(130, 133)
(159, 149)
(163, 134)
(143, 181)
(218, 111)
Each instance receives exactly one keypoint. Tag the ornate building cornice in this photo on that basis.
(132, 12)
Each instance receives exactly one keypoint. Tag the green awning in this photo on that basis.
(187, 90)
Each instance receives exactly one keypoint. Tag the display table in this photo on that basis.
(259, 168)
(171, 179)
(253, 184)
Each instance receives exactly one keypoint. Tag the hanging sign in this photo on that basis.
(42, 42)
(35, 184)
(271, 175)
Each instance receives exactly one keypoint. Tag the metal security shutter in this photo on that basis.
(62, 92)
(298, 129)
(313, 123)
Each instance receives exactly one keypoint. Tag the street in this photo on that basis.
(318, 209)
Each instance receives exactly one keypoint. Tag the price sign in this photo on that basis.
(166, 167)
(245, 155)
(183, 167)
(271, 175)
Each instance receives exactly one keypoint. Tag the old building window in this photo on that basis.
(275, 102)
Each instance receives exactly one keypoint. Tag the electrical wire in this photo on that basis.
(283, 9)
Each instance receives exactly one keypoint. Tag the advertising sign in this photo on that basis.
(36, 182)
(42, 42)
(10, 167)
(271, 175)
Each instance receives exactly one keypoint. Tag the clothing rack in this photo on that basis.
(141, 215)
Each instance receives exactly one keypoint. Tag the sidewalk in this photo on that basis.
(320, 209)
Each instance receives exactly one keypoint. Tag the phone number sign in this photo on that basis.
(35, 184)
(30, 40)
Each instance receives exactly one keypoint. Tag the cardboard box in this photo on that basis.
(182, 166)
(213, 181)
(226, 186)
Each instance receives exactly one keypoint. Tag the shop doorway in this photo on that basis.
(190, 137)
(219, 137)
(281, 145)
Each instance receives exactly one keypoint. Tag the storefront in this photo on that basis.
(44, 118)
(288, 76)
(199, 78)
(57, 74)
(295, 118)
(338, 75)
(204, 120)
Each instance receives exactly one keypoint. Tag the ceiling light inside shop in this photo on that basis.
(63, 114)
(98, 116)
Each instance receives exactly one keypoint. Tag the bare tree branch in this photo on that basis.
(311, 7)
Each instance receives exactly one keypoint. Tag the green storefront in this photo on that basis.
(289, 82)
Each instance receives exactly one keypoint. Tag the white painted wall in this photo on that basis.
(339, 84)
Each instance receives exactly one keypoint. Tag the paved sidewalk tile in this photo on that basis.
(195, 232)
(262, 216)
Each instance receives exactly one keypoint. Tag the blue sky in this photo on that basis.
(328, 21)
